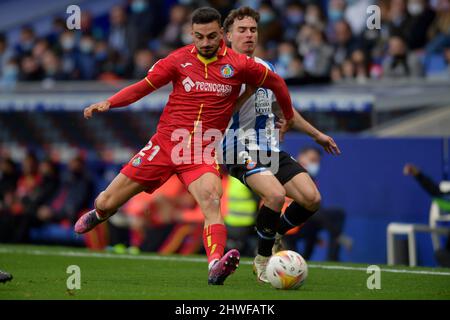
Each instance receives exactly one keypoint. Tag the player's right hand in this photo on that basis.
(102, 106)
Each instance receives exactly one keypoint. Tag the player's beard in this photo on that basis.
(209, 55)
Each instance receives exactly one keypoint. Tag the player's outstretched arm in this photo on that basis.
(327, 142)
(124, 97)
(300, 124)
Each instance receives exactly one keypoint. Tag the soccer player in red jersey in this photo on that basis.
(206, 78)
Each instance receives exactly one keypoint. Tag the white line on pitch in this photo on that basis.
(191, 259)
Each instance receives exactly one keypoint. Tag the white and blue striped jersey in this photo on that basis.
(255, 120)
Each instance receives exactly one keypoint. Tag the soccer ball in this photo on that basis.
(287, 270)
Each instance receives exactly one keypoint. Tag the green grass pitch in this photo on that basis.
(40, 273)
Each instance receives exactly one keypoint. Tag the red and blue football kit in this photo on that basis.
(203, 98)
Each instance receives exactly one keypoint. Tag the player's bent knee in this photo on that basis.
(274, 198)
(312, 201)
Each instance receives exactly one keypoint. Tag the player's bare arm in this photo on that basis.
(299, 123)
(124, 97)
(327, 142)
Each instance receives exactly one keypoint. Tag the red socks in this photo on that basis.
(214, 240)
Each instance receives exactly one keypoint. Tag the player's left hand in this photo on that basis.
(328, 144)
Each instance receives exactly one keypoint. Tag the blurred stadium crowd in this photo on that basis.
(40, 200)
(307, 41)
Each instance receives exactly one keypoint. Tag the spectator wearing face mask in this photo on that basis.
(26, 42)
(170, 38)
(69, 51)
(58, 27)
(336, 10)
(9, 68)
(356, 15)
(270, 28)
(86, 60)
(286, 53)
(421, 18)
(10, 74)
(294, 17)
(398, 18)
(144, 23)
(317, 60)
(343, 41)
(118, 31)
(110, 64)
(315, 17)
(329, 219)
(399, 62)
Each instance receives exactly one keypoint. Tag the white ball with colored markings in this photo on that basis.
(287, 270)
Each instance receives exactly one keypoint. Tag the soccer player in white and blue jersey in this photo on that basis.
(252, 155)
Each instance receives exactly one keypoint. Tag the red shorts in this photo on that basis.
(153, 165)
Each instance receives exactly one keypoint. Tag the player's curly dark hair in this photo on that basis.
(205, 15)
(239, 14)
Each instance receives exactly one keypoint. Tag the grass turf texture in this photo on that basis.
(40, 273)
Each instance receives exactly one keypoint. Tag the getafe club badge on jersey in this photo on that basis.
(227, 71)
(136, 162)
